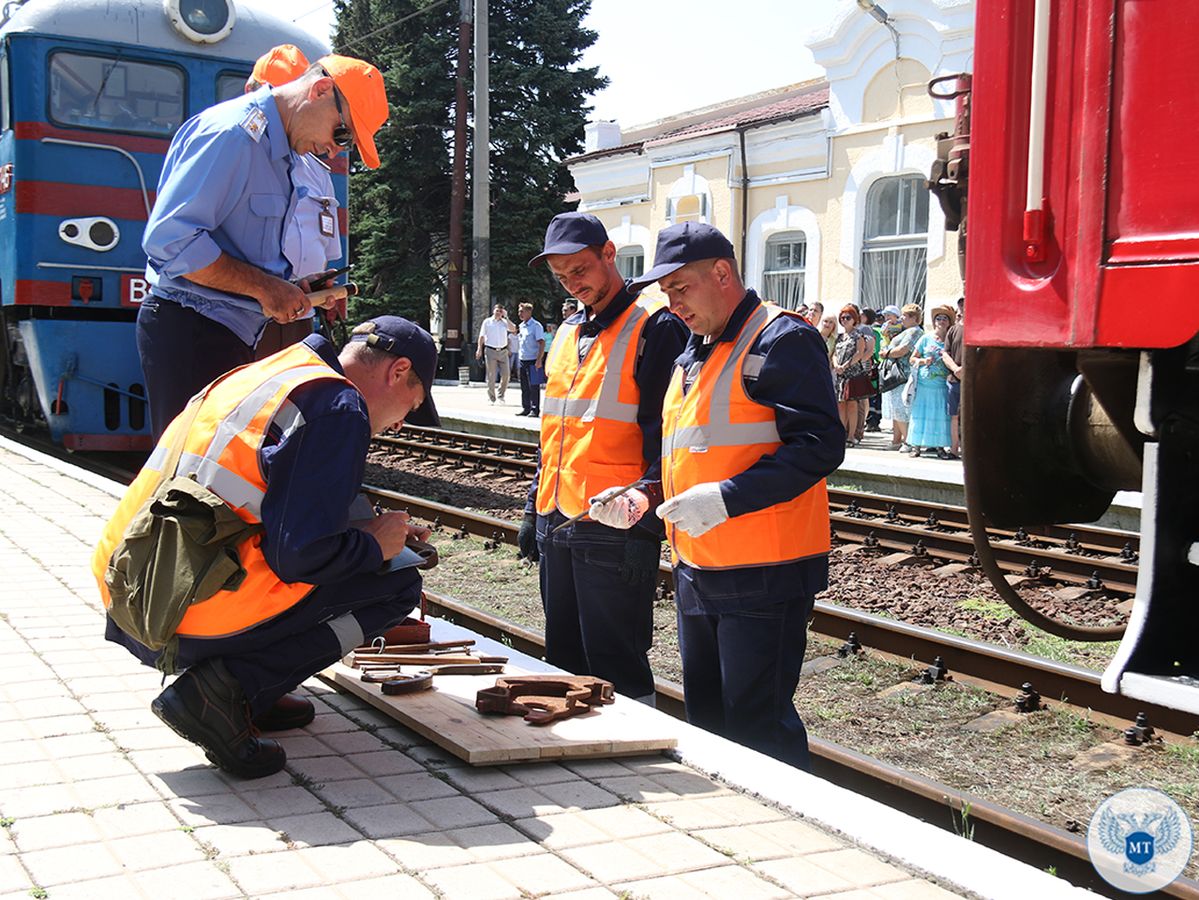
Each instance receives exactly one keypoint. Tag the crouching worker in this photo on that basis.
(229, 561)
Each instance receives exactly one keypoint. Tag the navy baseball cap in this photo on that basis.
(570, 233)
(685, 243)
(400, 337)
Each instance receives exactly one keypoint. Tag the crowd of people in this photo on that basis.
(886, 367)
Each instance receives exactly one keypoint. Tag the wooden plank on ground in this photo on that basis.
(446, 715)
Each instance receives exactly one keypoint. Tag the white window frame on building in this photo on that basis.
(894, 260)
(689, 208)
(785, 272)
(630, 261)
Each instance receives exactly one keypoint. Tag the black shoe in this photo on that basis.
(289, 711)
(207, 706)
(523, 412)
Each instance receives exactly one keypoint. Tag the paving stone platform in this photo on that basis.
(100, 799)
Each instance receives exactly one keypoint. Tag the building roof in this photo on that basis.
(778, 105)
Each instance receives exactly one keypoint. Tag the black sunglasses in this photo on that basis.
(342, 136)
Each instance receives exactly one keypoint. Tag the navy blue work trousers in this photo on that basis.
(740, 671)
(530, 394)
(597, 590)
(271, 658)
(181, 351)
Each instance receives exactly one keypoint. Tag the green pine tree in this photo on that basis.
(399, 213)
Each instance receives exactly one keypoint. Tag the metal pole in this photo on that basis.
(453, 299)
(481, 178)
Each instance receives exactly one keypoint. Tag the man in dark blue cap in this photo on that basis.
(283, 443)
(750, 431)
(601, 432)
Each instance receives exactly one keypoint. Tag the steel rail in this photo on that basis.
(1081, 542)
(1034, 842)
(895, 524)
(1072, 685)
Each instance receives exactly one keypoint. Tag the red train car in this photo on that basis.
(1082, 287)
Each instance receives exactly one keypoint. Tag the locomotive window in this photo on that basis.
(5, 121)
(230, 86)
(115, 94)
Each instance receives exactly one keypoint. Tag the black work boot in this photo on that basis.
(207, 706)
(289, 711)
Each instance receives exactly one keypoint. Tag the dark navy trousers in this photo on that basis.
(597, 590)
(530, 394)
(181, 351)
(273, 657)
(741, 668)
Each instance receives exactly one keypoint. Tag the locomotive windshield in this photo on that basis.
(115, 94)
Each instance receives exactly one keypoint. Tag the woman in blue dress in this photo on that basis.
(928, 430)
(900, 348)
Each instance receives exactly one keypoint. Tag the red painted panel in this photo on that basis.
(34, 131)
(31, 292)
(1087, 292)
(53, 198)
(343, 221)
(1153, 192)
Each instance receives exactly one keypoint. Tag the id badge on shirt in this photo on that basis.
(327, 224)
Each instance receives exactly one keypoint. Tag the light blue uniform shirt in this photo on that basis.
(225, 188)
(530, 333)
(310, 237)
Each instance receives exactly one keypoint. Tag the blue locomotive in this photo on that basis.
(91, 92)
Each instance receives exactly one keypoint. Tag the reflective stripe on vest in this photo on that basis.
(221, 453)
(715, 431)
(721, 431)
(590, 439)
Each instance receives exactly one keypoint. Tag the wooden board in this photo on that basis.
(446, 715)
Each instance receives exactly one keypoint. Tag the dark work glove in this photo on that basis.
(527, 538)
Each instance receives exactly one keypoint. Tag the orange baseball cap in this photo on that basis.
(362, 86)
(279, 65)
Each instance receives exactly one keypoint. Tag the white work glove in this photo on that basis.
(697, 510)
(619, 512)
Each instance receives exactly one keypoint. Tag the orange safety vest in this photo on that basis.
(590, 439)
(715, 431)
(220, 451)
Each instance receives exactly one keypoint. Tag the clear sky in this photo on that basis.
(667, 56)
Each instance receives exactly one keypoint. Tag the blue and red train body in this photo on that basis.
(91, 92)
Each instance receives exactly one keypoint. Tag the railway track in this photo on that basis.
(995, 667)
(1083, 559)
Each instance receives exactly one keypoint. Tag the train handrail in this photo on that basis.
(125, 153)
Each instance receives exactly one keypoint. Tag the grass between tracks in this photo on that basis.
(1029, 763)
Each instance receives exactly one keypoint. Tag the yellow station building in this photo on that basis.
(819, 185)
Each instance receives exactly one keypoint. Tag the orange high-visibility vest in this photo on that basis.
(716, 431)
(590, 439)
(220, 451)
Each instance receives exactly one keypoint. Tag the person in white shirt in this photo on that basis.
(493, 351)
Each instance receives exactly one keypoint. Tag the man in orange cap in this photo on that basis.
(279, 65)
(213, 242)
(310, 234)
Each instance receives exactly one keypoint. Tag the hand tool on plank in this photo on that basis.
(435, 646)
(624, 490)
(369, 660)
